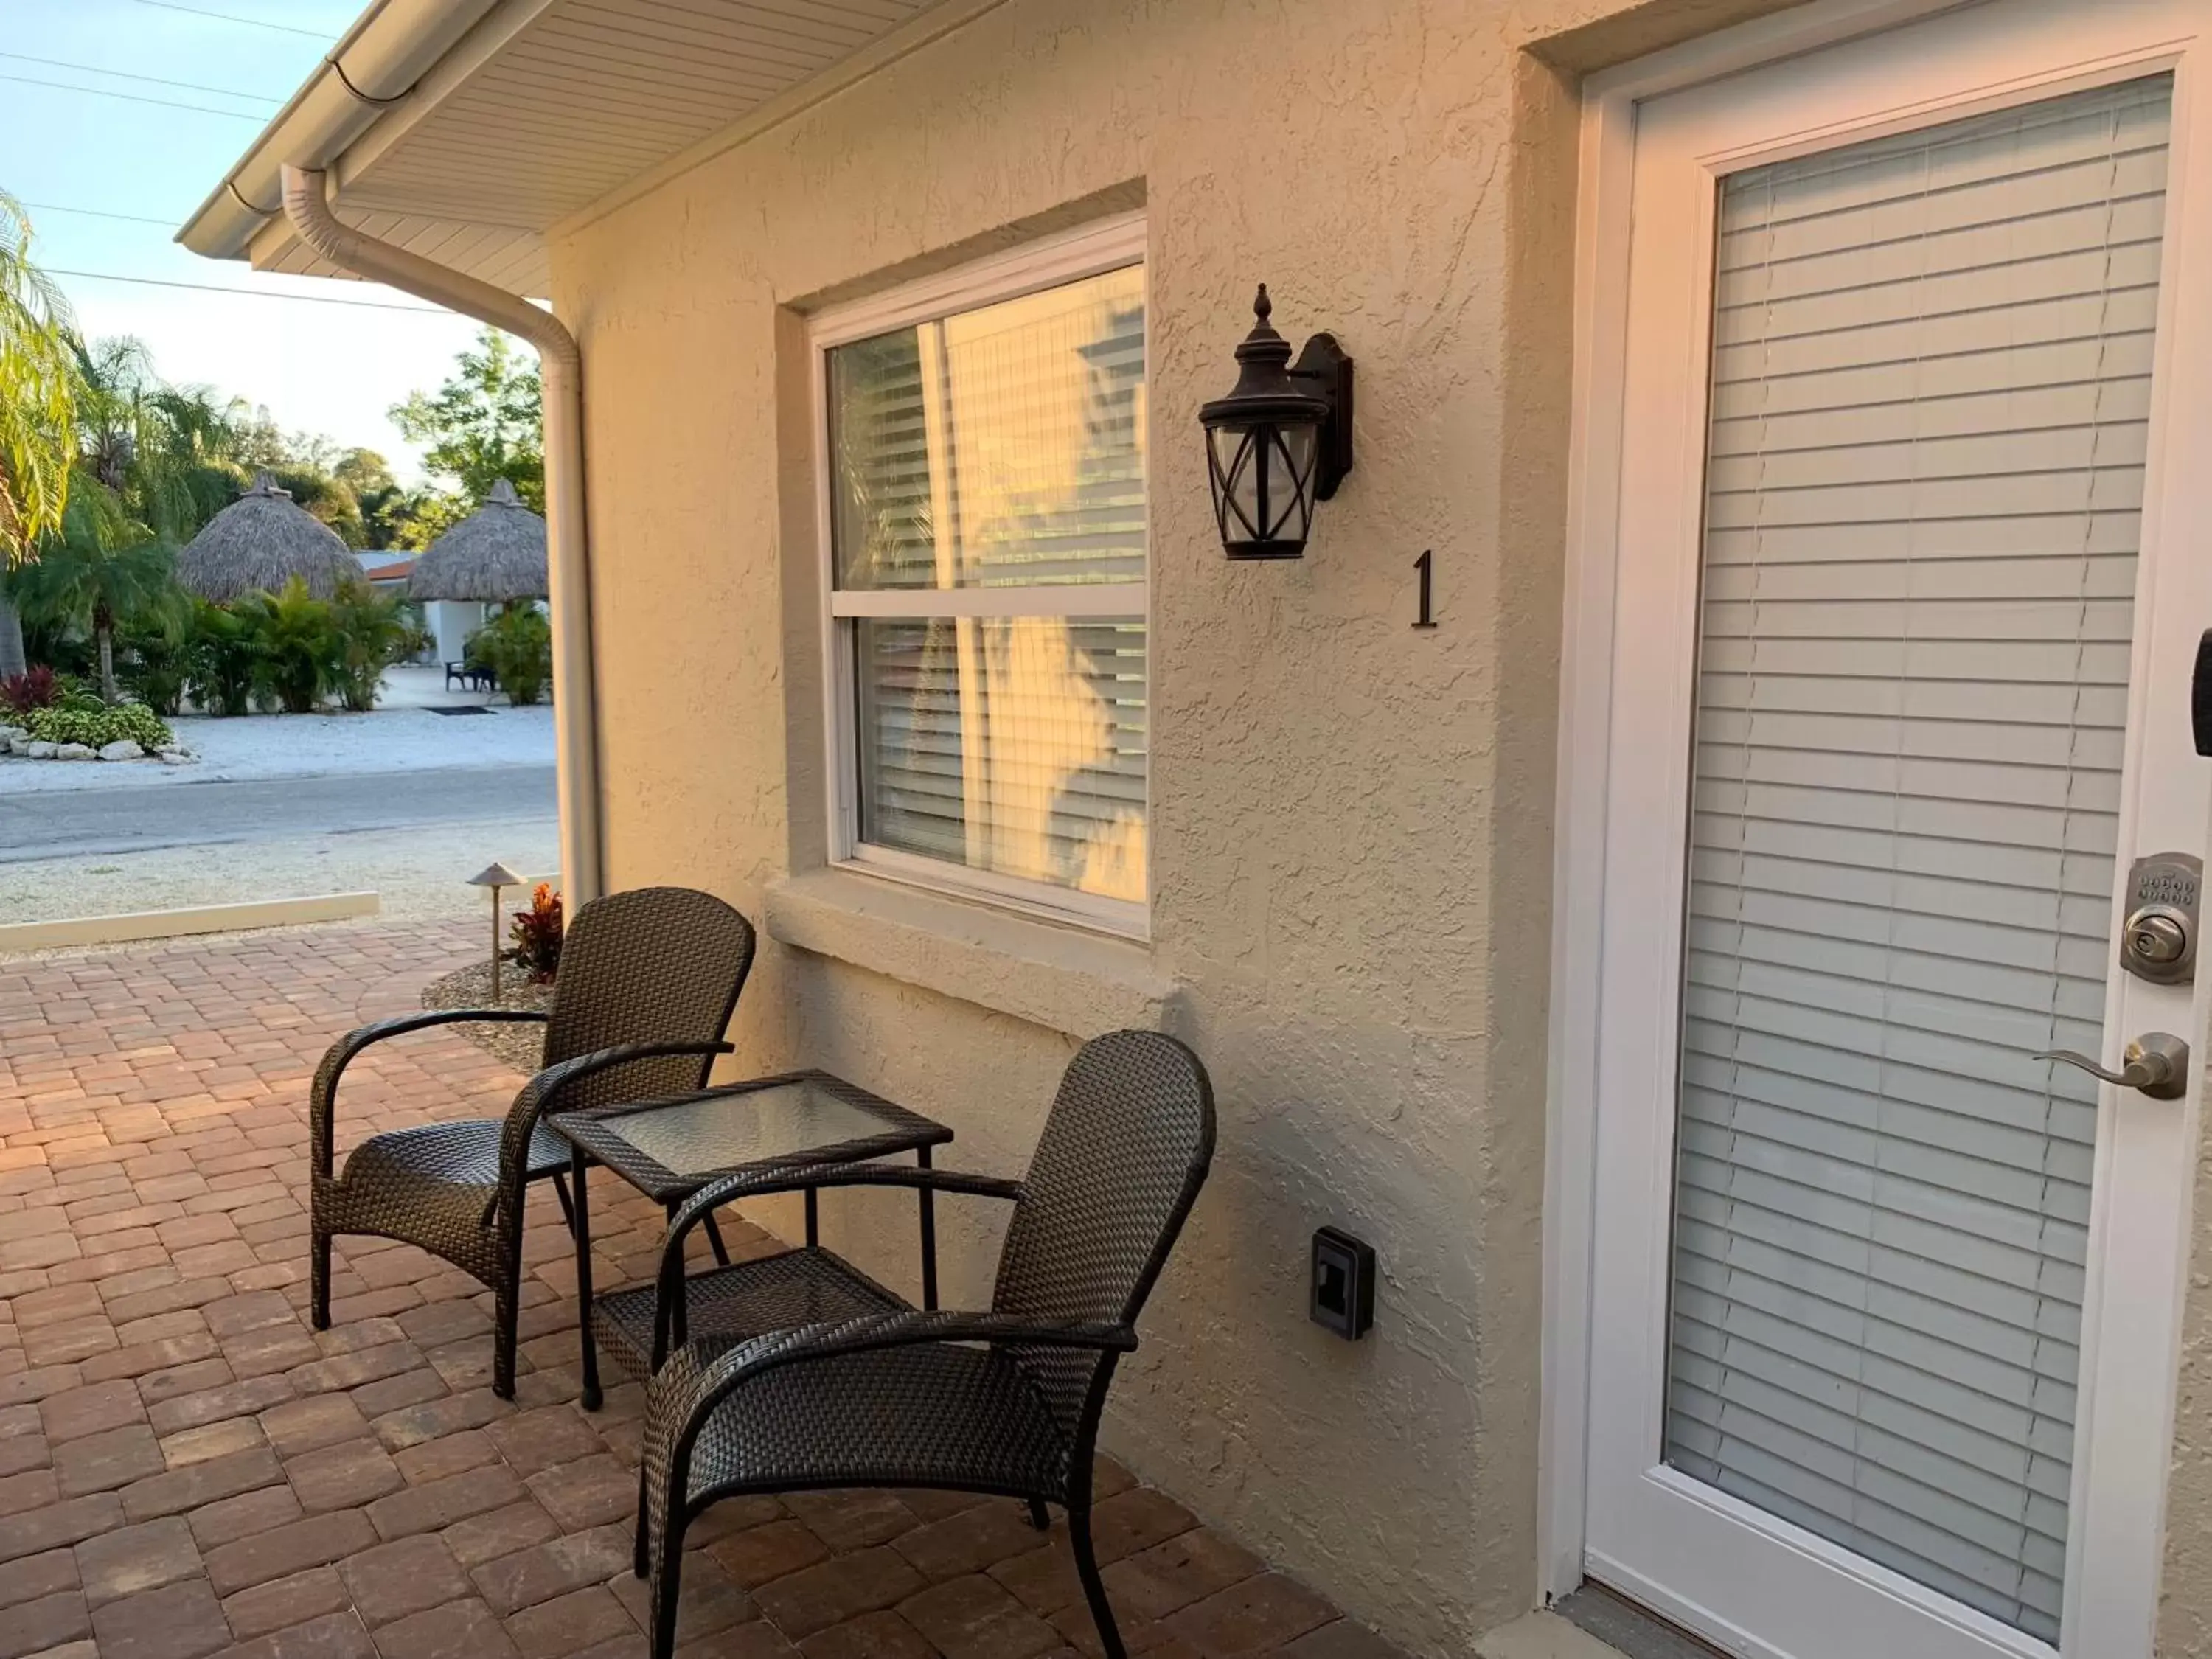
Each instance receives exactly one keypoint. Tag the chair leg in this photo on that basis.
(1094, 1587)
(567, 1204)
(319, 1276)
(669, 1581)
(1038, 1518)
(507, 1296)
(641, 1560)
(714, 1238)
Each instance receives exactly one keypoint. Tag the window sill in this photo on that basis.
(1061, 978)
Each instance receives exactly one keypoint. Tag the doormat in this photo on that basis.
(1628, 1628)
(479, 710)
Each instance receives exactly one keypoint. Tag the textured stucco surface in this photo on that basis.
(1351, 820)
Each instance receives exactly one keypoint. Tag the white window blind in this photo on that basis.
(987, 535)
(1931, 383)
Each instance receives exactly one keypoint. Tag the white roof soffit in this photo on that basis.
(464, 130)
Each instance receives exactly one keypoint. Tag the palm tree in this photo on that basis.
(38, 409)
(103, 568)
(165, 450)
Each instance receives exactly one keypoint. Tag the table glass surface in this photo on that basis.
(755, 1126)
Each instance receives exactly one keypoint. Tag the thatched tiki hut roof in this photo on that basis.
(261, 541)
(497, 552)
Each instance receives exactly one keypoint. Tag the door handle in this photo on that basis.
(2157, 1065)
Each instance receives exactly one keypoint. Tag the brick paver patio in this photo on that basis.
(187, 1469)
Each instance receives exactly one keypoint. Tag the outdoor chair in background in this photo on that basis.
(647, 982)
(798, 1371)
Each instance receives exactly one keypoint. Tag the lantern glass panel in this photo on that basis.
(1292, 480)
(1236, 482)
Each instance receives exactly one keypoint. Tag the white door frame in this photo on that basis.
(1585, 761)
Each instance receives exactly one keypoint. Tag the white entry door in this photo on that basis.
(1914, 552)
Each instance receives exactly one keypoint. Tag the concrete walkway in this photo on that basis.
(187, 1469)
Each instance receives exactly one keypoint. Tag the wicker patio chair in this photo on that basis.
(647, 982)
(798, 1371)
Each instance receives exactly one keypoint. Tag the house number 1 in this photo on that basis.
(1426, 565)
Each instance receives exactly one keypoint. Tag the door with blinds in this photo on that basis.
(1886, 1298)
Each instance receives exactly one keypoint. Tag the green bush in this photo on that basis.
(376, 630)
(517, 644)
(99, 724)
(221, 660)
(300, 655)
(154, 665)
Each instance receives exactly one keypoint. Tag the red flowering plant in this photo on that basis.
(21, 693)
(537, 935)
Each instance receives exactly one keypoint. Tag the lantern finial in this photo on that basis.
(1263, 307)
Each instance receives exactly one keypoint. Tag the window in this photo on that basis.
(984, 527)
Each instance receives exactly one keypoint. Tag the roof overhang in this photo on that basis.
(469, 132)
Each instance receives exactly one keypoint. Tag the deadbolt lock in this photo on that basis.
(2158, 941)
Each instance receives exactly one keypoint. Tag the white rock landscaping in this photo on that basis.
(19, 743)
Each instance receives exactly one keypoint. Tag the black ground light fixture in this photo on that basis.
(1279, 442)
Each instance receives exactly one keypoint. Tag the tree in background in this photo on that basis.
(484, 424)
(103, 571)
(38, 409)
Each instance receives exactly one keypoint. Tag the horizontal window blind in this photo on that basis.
(1000, 447)
(1011, 744)
(1931, 386)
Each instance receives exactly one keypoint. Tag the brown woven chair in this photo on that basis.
(798, 1371)
(649, 981)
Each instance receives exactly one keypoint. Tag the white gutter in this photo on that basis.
(375, 64)
(561, 366)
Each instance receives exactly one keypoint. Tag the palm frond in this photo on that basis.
(39, 383)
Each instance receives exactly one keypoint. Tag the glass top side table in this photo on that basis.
(669, 1149)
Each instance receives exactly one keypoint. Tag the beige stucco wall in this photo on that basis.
(1351, 820)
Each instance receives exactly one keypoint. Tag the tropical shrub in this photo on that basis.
(38, 688)
(154, 665)
(301, 655)
(517, 644)
(223, 658)
(376, 630)
(537, 935)
(99, 724)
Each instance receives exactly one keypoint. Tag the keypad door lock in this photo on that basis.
(2158, 941)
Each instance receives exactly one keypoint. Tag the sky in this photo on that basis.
(86, 140)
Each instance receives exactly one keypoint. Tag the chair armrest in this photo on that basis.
(668, 1297)
(684, 1391)
(322, 1097)
(536, 1097)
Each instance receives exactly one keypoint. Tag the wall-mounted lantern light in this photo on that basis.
(1279, 442)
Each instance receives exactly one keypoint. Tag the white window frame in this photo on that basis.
(1102, 246)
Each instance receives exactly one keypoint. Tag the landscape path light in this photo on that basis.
(495, 876)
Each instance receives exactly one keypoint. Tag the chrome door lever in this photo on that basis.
(2157, 1065)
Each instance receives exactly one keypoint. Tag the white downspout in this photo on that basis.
(574, 711)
